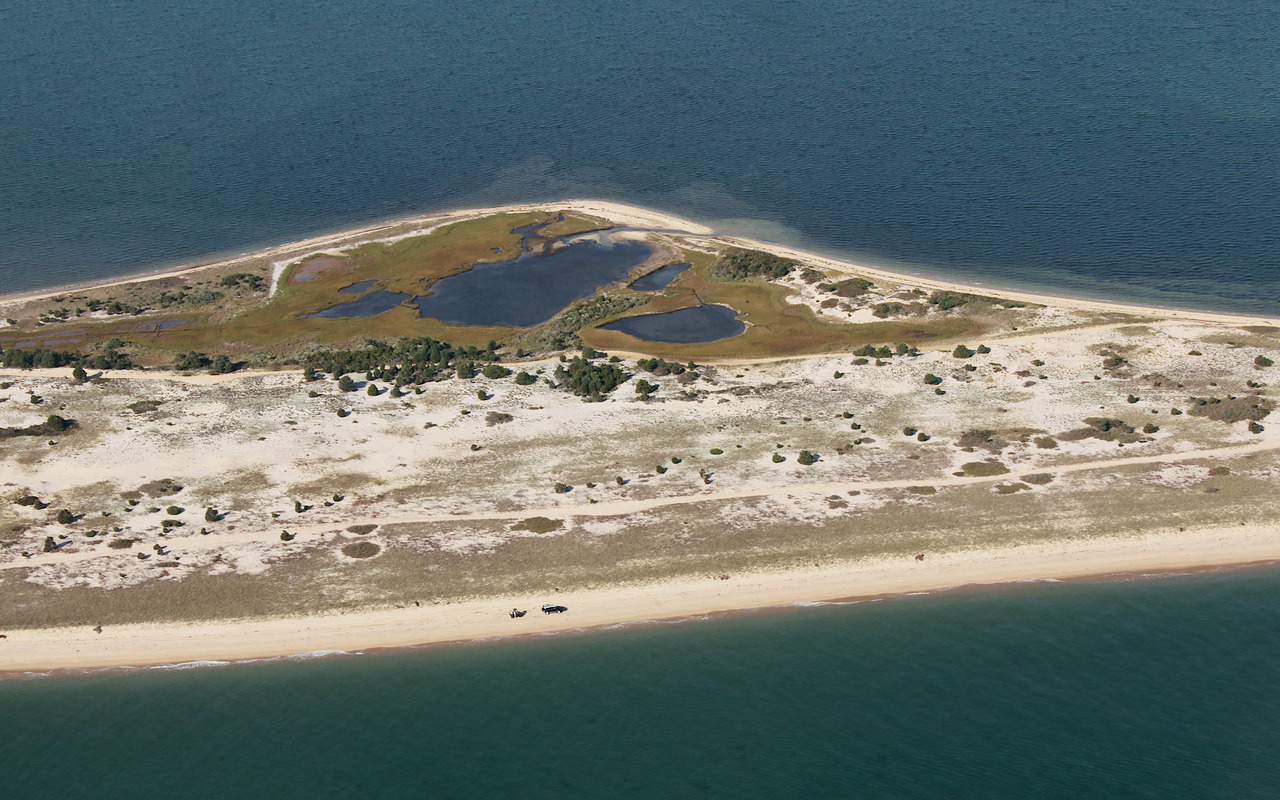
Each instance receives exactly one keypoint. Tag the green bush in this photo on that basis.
(1263, 361)
(562, 488)
(1150, 428)
(778, 458)
(65, 517)
(524, 379)
(346, 384)
(932, 380)
(806, 458)
(211, 515)
(983, 349)
(174, 511)
(495, 371)
(715, 451)
(962, 352)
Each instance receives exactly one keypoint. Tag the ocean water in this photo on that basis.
(1127, 148)
(1106, 147)
(1156, 688)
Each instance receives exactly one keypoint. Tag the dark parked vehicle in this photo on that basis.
(553, 609)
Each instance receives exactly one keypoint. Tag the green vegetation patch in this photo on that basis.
(852, 287)
(741, 265)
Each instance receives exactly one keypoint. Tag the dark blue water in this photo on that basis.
(704, 323)
(368, 306)
(531, 288)
(1103, 147)
(1157, 689)
(659, 279)
(358, 287)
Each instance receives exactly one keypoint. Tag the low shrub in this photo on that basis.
(984, 469)
(361, 550)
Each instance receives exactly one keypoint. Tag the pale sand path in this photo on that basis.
(312, 532)
(137, 645)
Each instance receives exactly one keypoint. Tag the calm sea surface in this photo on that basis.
(1159, 688)
(1126, 148)
(1108, 147)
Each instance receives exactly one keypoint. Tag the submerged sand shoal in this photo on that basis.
(143, 645)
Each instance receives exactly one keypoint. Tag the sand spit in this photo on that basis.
(637, 217)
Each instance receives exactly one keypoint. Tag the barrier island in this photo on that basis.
(397, 435)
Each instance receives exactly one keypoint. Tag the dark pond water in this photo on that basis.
(706, 323)
(530, 288)
(659, 279)
(358, 287)
(367, 306)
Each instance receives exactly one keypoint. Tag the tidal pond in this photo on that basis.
(705, 323)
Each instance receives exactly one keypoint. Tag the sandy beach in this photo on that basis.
(144, 645)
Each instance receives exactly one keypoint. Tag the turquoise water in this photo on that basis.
(1102, 147)
(1158, 688)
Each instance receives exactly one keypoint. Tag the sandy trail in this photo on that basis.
(317, 532)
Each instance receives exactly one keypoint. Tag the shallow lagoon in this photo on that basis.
(527, 290)
(531, 288)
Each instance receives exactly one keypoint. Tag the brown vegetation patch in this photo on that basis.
(926, 490)
(361, 530)
(361, 550)
(1233, 409)
(160, 488)
(1038, 478)
(538, 525)
(987, 440)
(1011, 488)
(1108, 430)
(984, 469)
(774, 326)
